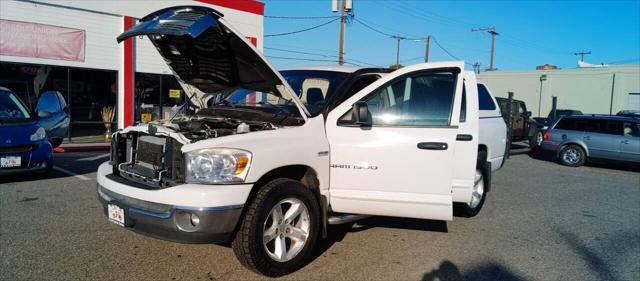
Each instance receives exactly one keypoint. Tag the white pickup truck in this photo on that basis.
(267, 160)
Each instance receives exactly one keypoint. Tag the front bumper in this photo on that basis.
(36, 161)
(166, 213)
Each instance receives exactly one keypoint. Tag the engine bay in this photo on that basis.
(200, 128)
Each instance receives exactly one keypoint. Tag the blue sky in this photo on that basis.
(531, 32)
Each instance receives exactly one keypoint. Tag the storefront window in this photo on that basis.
(147, 97)
(92, 91)
(86, 91)
(27, 81)
(173, 96)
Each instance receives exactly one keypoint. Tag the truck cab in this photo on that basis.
(266, 161)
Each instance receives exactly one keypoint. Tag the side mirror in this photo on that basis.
(527, 114)
(44, 114)
(360, 113)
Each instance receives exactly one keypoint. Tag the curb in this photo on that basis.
(85, 147)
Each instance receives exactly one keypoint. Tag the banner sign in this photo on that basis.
(26, 39)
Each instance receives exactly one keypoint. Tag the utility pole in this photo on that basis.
(426, 51)
(343, 5)
(492, 31)
(476, 67)
(581, 54)
(398, 38)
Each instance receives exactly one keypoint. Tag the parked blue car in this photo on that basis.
(26, 137)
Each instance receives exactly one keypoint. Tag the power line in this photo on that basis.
(299, 52)
(308, 59)
(387, 34)
(302, 30)
(442, 48)
(301, 17)
(318, 54)
(373, 29)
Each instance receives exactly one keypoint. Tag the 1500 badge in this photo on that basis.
(354, 166)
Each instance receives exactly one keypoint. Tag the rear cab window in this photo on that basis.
(484, 99)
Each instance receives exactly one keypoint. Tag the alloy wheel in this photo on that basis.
(286, 229)
(478, 190)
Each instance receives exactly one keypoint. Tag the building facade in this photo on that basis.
(605, 90)
(70, 46)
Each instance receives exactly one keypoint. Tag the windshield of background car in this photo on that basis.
(11, 108)
(314, 87)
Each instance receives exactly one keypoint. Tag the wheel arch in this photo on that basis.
(485, 166)
(302, 173)
(570, 142)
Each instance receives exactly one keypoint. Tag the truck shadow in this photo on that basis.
(448, 271)
(336, 233)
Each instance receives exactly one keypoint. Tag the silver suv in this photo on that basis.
(577, 138)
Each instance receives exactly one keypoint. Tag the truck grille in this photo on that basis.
(155, 162)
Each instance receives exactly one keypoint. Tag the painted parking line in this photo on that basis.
(84, 178)
(92, 158)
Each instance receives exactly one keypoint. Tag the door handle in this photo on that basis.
(464, 137)
(433, 145)
(587, 138)
(625, 141)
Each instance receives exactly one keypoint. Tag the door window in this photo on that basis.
(48, 102)
(632, 129)
(421, 100)
(611, 127)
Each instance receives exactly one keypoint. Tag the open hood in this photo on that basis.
(207, 55)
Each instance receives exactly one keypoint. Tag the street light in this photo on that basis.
(543, 77)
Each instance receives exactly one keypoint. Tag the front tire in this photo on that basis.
(279, 230)
(572, 155)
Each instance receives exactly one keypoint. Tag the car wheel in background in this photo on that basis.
(535, 142)
(572, 155)
(279, 230)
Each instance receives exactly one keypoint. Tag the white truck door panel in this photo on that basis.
(403, 163)
(465, 155)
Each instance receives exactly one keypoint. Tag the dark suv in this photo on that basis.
(523, 127)
(577, 138)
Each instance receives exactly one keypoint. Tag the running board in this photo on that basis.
(347, 218)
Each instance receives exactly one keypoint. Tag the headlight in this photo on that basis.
(219, 165)
(40, 134)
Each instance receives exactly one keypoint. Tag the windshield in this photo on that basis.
(312, 87)
(11, 108)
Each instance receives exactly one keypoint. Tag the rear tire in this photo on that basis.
(478, 196)
(271, 239)
(572, 155)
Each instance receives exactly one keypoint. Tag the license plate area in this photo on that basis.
(116, 214)
(10, 161)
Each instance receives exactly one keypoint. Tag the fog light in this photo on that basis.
(195, 220)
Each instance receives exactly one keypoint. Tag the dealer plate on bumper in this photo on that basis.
(10, 161)
(116, 214)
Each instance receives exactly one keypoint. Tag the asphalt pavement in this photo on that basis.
(541, 221)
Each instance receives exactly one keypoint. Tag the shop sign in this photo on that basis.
(26, 39)
(146, 117)
(174, 94)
